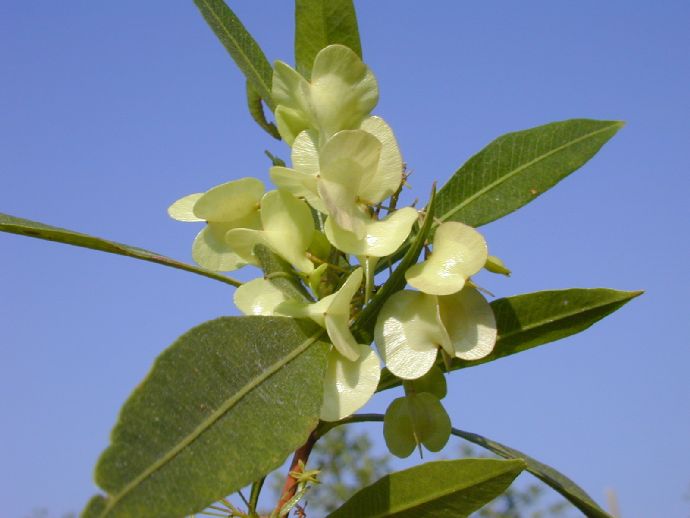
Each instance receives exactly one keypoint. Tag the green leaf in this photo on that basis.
(241, 45)
(29, 228)
(94, 507)
(559, 482)
(439, 489)
(223, 406)
(319, 23)
(533, 319)
(517, 167)
(281, 274)
(363, 327)
(256, 110)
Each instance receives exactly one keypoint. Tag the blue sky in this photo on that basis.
(111, 111)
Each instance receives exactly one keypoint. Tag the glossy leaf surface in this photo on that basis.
(517, 167)
(38, 230)
(215, 413)
(319, 23)
(441, 489)
(533, 319)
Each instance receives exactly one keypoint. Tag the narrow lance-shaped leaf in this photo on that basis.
(533, 319)
(319, 23)
(441, 489)
(556, 480)
(38, 230)
(241, 45)
(256, 110)
(517, 167)
(223, 406)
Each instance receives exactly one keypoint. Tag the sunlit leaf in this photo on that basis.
(241, 45)
(319, 23)
(441, 489)
(533, 319)
(517, 167)
(29, 228)
(206, 421)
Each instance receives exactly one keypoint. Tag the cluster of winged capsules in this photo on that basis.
(326, 213)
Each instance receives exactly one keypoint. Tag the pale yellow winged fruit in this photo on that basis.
(348, 383)
(459, 251)
(287, 228)
(341, 93)
(412, 326)
(230, 205)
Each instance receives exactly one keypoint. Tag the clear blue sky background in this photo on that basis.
(109, 111)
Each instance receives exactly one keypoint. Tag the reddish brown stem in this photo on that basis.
(302, 454)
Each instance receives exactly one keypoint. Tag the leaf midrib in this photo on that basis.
(510, 174)
(550, 476)
(563, 316)
(210, 420)
(39, 230)
(441, 494)
(258, 77)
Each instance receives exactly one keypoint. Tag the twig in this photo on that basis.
(302, 454)
(254, 495)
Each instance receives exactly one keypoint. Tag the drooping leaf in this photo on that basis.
(223, 406)
(256, 110)
(559, 482)
(38, 230)
(533, 319)
(435, 490)
(241, 45)
(363, 328)
(275, 160)
(517, 167)
(319, 23)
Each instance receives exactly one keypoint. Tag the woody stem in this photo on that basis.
(302, 454)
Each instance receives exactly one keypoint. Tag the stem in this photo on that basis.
(325, 426)
(254, 495)
(315, 259)
(243, 498)
(302, 454)
(369, 264)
